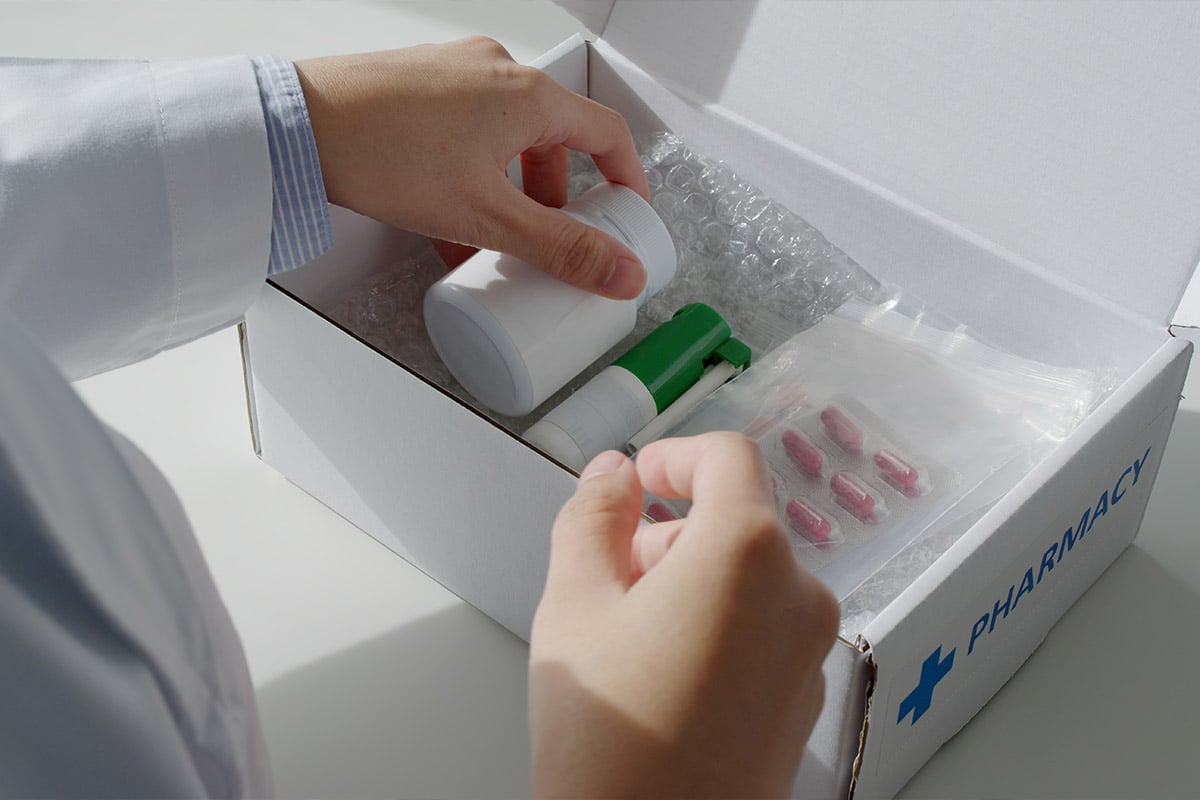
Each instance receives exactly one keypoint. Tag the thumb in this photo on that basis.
(592, 540)
(566, 248)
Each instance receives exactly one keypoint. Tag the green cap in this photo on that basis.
(676, 353)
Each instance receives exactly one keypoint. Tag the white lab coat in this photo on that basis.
(135, 213)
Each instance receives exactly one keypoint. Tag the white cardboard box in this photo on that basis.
(1032, 170)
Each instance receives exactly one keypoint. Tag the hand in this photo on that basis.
(680, 659)
(420, 138)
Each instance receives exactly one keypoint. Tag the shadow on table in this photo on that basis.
(436, 708)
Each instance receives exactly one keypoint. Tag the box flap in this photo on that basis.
(1066, 133)
(592, 13)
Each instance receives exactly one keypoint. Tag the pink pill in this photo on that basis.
(804, 454)
(853, 495)
(810, 523)
(897, 471)
(842, 429)
(659, 512)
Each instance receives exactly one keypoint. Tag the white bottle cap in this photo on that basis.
(622, 213)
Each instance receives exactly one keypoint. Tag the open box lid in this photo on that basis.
(1067, 134)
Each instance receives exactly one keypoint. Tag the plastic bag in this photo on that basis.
(934, 425)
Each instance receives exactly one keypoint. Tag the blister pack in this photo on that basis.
(877, 426)
(839, 472)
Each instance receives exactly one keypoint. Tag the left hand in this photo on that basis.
(681, 659)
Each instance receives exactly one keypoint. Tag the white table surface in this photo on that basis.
(375, 681)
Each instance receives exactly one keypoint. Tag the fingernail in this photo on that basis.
(626, 280)
(607, 462)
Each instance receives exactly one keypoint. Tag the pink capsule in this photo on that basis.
(810, 523)
(659, 512)
(842, 430)
(897, 471)
(804, 454)
(853, 495)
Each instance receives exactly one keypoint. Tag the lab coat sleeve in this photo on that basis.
(121, 674)
(135, 203)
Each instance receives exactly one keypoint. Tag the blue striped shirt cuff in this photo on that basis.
(301, 228)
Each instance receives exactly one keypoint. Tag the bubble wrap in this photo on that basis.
(384, 309)
(766, 271)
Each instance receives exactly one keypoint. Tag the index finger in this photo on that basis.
(587, 126)
(716, 470)
(544, 174)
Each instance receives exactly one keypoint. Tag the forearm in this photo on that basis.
(135, 203)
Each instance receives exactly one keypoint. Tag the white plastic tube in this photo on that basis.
(601, 416)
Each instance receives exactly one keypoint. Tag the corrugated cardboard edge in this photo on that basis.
(864, 647)
(251, 410)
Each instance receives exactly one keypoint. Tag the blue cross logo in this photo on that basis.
(933, 669)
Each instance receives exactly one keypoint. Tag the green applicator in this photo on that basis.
(645, 391)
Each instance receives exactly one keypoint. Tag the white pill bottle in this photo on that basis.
(513, 335)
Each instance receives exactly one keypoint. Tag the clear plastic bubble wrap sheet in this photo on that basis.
(384, 309)
(766, 271)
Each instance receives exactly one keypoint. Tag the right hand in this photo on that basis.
(681, 658)
(420, 138)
